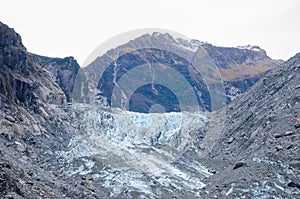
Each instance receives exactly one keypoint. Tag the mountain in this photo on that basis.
(33, 100)
(52, 148)
(209, 70)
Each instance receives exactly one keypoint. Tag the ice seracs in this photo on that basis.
(142, 152)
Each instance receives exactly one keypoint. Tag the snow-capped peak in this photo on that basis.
(188, 44)
(250, 47)
(165, 36)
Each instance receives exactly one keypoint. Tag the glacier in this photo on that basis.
(130, 152)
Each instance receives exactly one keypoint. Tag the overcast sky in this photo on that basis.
(75, 28)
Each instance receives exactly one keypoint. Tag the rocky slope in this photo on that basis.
(256, 155)
(204, 66)
(32, 119)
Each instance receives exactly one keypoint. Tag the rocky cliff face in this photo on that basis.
(33, 117)
(199, 63)
(22, 80)
(63, 71)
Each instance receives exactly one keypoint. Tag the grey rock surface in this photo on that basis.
(63, 71)
(260, 131)
(33, 117)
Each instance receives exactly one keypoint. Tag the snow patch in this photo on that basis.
(250, 47)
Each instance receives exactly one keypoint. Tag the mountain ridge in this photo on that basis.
(239, 68)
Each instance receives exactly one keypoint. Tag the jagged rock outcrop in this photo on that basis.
(34, 117)
(64, 71)
(22, 81)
